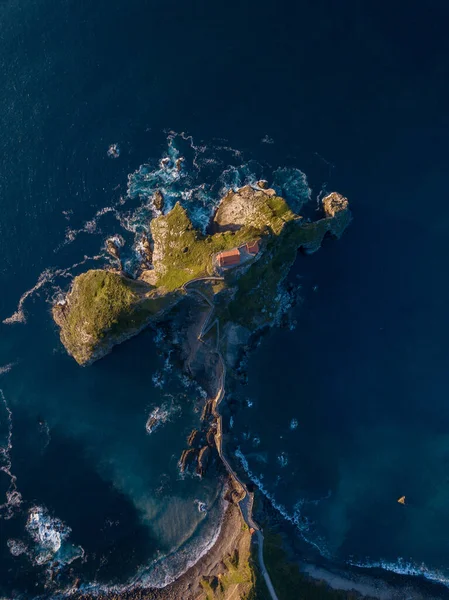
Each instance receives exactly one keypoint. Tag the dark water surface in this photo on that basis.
(355, 96)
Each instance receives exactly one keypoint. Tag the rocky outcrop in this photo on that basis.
(194, 438)
(158, 201)
(336, 209)
(203, 460)
(113, 246)
(246, 206)
(145, 250)
(188, 457)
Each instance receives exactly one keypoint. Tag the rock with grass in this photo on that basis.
(105, 307)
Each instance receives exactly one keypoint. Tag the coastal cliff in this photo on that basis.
(105, 307)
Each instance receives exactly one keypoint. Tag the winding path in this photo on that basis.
(247, 499)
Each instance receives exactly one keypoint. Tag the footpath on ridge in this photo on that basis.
(246, 499)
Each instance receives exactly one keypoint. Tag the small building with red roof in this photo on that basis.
(253, 247)
(229, 258)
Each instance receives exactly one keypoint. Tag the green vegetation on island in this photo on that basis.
(182, 253)
(104, 307)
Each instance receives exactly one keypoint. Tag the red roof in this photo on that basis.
(252, 247)
(229, 258)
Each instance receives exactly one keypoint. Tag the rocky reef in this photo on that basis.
(105, 307)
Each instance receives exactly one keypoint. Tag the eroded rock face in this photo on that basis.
(145, 249)
(239, 208)
(187, 458)
(113, 246)
(336, 209)
(193, 438)
(334, 203)
(158, 200)
(203, 461)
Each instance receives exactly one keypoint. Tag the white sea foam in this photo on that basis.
(7, 368)
(282, 459)
(19, 315)
(292, 184)
(202, 507)
(303, 524)
(89, 226)
(158, 379)
(46, 277)
(13, 496)
(161, 414)
(167, 568)
(50, 536)
(405, 567)
(17, 547)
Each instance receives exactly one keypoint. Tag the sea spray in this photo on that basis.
(47, 277)
(404, 567)
(302, 524)
(50, 538)
(13, 496)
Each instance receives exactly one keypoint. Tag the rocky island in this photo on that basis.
(104, 307)
(218, 288)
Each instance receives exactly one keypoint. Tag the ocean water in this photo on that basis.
(313, 96)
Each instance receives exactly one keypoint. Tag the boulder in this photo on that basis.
(158, 200)
(203, 460)
(193, 438)
(113, 248)
(187, 458)
(333, 204)
(145, 249)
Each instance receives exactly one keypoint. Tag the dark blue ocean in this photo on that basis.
(343, 414)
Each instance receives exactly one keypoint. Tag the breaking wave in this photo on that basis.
(160, 415)
(7, 368)
(301, 522)
(47, 276)
(48, 543)
(165, 570)
(405, 567)
(13, 496)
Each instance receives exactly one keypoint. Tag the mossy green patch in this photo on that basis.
(104, 304)
(183, 253)
(258, 292)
